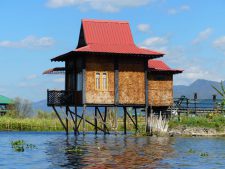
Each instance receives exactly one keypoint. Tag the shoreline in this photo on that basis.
(195, 131)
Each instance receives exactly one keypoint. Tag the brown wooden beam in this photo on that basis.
(125, 120)
(59, 117)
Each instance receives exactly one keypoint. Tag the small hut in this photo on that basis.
(160, 85)
(5, 102)
(105, 70)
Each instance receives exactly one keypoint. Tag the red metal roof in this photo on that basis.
(104, 36)
(158, 65)
(110, 37)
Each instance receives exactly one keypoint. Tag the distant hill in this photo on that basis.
(200, 86)
(41, 105)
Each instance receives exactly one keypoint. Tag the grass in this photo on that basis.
(212, 120)
(53, 124)
(29, 124)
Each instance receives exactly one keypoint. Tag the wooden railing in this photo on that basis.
(63, 97)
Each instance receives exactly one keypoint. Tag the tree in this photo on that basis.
(22, 107)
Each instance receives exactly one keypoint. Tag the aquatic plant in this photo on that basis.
(20, 145)
(74, 149)
(204, 154)
(158, 124)
(191, 151)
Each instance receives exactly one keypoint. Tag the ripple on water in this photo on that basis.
(55, 150)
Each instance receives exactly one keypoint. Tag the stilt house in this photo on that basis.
(108, 69)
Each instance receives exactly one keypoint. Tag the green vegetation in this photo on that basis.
(20, 146)
(221, 92)
(211, 120)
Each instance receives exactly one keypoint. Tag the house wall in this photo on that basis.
(73, 66)
(99, 63)
(160, 89)
(131, 81)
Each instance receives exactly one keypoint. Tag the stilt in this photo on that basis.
(96, 122)
(125, 120)
(116, 119)
(59, 117)
(148, 120)
(84, 111)
(76, 132)
(136, 120)
(67, 121)
(104, 120)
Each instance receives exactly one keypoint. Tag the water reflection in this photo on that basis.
(108, 151)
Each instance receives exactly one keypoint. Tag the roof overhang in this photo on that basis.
(73, 54)
(56, 70)
(171, 71)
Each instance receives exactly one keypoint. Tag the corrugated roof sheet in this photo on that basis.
(56, 70)
(104, 36)
(5, 100)
(158, 65)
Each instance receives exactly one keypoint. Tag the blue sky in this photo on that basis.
(191, 33)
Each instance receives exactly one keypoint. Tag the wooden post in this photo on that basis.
(67, 121)
(147, 108)
(84, 111)
(96, 122)
(136, 120)
(116, 81)
(104, 121)
(75, 125)
(187, 107)
(148, 121)
(125, 120)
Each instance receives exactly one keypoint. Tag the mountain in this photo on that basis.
(202, 87)
(41, 105)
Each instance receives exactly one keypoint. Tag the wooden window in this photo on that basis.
(104, 81)
(101, 81)
(97, 81)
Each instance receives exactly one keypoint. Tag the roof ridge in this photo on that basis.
(109, 21)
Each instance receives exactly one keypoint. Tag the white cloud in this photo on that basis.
(156, 43)
(219, 43)
(59, 80)
(143, 27)
(30, 77)
(28, 42)
(182, 8)
(99, 5)
(202, 36)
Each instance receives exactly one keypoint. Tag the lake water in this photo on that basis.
(55, 150)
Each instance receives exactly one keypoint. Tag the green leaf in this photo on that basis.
(218, 91)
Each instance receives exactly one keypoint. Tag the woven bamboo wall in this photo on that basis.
(131, 81)
(160, 89)
(101, 63)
